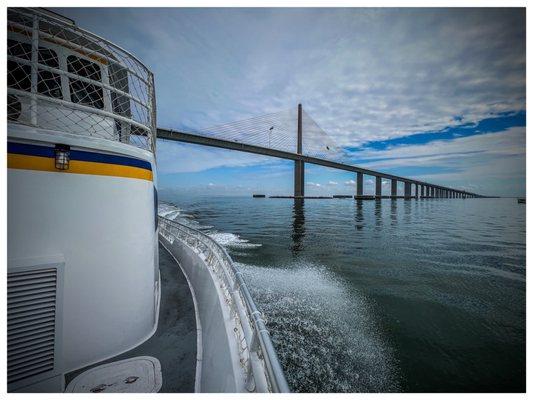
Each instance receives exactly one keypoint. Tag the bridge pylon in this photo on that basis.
(299, 165)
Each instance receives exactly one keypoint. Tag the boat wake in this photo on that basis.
(228, 240)
(323, 331)
(326, 337)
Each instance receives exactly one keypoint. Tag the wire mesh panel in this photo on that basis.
(63, 78)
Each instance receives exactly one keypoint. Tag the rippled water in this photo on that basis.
(424, 295)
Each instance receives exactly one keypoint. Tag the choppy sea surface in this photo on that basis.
(389, 296)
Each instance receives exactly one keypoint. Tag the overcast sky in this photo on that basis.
(434, 94)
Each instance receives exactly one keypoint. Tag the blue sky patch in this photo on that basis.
(501, 122)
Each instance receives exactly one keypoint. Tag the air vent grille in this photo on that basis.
(31, 322)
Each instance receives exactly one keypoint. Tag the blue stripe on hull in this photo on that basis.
(47, 151)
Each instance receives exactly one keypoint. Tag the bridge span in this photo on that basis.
(412, 188)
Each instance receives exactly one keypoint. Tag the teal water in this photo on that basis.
(410, 296)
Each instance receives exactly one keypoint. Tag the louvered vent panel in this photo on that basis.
(31, 322)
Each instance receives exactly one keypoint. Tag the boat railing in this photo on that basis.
(66, 79)
(256, 336)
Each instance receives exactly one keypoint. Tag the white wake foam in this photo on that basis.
(232, 240)
(228, 240)
(326, 337)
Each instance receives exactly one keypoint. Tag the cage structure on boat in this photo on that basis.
(63, 78)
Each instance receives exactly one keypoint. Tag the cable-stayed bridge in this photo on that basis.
(294, 135)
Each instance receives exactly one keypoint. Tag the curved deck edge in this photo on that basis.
(237, 352)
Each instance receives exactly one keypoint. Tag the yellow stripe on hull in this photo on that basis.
(35, 163)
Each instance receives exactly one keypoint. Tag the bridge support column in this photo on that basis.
(299, 178)
(406, 190)
(299, 167)
(393, 188)
(416, 191)
(378, 187)
(359, 184)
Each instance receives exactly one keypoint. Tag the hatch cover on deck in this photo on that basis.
(134, 375)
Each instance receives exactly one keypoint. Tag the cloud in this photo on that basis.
(362, 74)
(492, 163)
(505, 143)
(351, 182)
(313, 184)
(332, 183)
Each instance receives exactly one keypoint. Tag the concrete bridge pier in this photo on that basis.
(416, 191)
(407, 190)
(299, 179)
(378, 187)
(393, 188)
(359, 184)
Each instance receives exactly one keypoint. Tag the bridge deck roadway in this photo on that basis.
(184, 137)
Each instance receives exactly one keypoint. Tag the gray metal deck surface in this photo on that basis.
(174, 342)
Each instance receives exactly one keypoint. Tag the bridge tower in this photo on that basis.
(299, 166)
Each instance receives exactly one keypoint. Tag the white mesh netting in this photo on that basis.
(63, 78)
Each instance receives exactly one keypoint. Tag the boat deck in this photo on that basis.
(174, 342)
